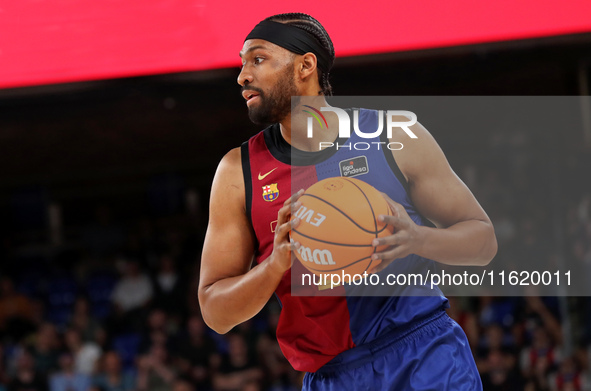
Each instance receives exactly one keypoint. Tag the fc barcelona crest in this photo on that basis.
(270, 192)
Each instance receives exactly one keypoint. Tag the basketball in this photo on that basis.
(339, 220)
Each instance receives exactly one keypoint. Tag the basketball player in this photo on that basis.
(402, 342)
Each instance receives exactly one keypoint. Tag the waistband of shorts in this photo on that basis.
(362, 354)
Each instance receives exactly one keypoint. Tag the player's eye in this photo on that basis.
(258, 60)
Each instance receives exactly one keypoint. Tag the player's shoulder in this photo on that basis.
(232, 159)
(228, 183)
(229, 170)
(418, 153)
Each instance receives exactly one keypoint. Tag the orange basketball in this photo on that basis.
(339, 220)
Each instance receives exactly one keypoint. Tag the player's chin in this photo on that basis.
(258, 116)
(254, 116)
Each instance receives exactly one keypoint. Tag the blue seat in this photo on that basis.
(30, 284)
(127, 345)
(61, 295)
(99, 288)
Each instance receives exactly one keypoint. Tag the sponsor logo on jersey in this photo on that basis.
(261, 177)
(354, 167)
(270, 192)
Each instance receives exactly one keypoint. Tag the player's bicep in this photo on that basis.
(445, 200)
(229, 241)
(437, 192)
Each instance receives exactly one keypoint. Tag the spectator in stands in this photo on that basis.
(237, 368)
(158, 332)
(538, 360)
(45, 349)
(157, 327)
(154, 370)
(111, 376)
(85, 323)
(183, 384)
(495, 339)
(68, 379)
(500, 310)
(131, 297)
(158, 320)
(169, 287)
(155, 338)
(85, 354)
(499, 374)
(16, 310)
(197, 353)
(27, 378)
(538, 314)
(569, 377)
(134, 290)
(252, 385)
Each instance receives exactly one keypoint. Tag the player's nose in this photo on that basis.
(245, 76)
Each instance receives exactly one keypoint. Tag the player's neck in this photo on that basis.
(294, 127)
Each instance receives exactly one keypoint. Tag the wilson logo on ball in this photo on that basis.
(317, 256)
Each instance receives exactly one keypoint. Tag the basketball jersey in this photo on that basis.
(313, 330)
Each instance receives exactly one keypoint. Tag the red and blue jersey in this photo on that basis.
(313, 330)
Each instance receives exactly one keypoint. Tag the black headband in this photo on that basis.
(293, 39)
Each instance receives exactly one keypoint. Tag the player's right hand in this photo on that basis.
(282, 256)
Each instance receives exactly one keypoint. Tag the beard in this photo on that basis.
(275, 105)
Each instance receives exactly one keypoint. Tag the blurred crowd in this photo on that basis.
(111, 304)
(115, 308)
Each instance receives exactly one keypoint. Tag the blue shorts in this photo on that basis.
(432, 354)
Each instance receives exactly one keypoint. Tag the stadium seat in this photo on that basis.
(127, 345)
(61, 295)
(99, 287)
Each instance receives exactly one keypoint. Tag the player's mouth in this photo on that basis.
(250, 96)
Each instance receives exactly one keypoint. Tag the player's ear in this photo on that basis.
(307, 66)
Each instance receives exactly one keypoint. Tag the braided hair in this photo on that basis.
(312, 26)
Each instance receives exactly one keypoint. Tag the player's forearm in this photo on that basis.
(471, 242)
(233, 300)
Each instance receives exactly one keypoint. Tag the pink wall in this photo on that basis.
(55, 41)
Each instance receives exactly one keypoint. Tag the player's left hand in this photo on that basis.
(405, 240)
